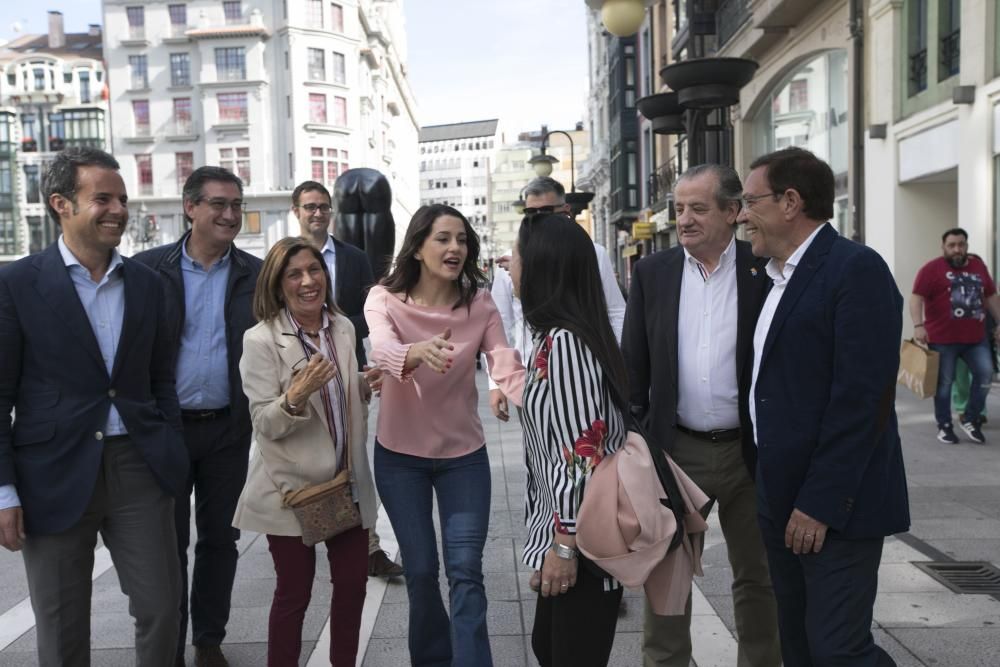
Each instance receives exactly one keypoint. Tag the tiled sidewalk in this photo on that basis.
(955, 502)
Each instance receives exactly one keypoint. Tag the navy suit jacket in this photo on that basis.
(243, 271)
(53, 375)
(649, 339)
(828, 440)
(352, 282)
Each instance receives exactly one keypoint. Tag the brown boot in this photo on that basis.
(379, 565)
(209, 656)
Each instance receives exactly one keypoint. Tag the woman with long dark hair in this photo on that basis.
(428, 321)
(574, 402)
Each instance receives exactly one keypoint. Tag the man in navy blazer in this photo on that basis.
(95, 445)
(830, 476)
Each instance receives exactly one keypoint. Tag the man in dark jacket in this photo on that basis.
(209, 284)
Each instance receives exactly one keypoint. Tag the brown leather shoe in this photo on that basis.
(179, 662)
(209, 656)
(379, 565)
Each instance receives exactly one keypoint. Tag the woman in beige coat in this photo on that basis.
(308, 402)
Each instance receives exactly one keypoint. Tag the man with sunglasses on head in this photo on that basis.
(209, 285)
(350, 279)
(544, 195)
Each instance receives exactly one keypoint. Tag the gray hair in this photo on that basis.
(729, 188)
(196, 181)
(61, 176)
(543, 185)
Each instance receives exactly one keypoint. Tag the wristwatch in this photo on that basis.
(290, 407)
(563, 551)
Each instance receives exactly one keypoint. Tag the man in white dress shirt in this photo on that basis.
(546, 195)
(687, 343)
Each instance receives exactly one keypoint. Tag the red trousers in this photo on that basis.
(295, 565)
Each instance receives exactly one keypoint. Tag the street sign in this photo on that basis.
(643, 230)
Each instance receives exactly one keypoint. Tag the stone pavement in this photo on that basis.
(955, 504)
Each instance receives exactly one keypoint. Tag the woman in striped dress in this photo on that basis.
(574, 401)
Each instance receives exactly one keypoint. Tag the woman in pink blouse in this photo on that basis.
(428, 321)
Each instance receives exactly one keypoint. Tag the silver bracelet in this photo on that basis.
(563, 551)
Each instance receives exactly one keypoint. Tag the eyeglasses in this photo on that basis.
(750, 200)
(312, 208)
(220, 205)
(535, 210)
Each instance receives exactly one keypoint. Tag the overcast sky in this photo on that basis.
(523, 61)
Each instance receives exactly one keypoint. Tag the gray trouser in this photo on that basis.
(719, 470)
(135, 518)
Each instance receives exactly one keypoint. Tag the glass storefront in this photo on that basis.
(808, 108)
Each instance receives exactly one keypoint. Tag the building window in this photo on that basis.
(84, 77)
(251, 222)
(950, 32)
(314, 14)
(231, 63)
(340, 111)
(336, 17)
(232, 107)
(32, 184)
(339, 68)
(180, 69)
(6, 183)
(185, 165)
(317, 108)
(798, 95)
(182, 116)
(83, 127)
(178, 19)
(136, 22)
(233, 12)
(41, 233)
(917, 46)
(144, 172)
(8, 233)
(140, 117)
(236, 160)
(327, 164)
(139, 73)
(317, 64)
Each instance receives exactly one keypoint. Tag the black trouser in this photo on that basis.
(825, 600)
(577, 629)
(218, 473)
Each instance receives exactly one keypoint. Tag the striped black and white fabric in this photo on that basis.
(564, 396)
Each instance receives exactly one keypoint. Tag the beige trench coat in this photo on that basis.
(293, 451)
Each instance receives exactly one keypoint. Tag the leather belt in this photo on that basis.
(205, 415)
(718, 435)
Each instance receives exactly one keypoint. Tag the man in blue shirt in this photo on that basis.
(96, 444)
(209, 284)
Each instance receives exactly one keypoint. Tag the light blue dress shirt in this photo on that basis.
(202, 362)
(104, 304)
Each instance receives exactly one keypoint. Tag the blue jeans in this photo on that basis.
(977, 357)
(462, 485)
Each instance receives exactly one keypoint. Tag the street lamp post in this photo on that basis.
(542, 163)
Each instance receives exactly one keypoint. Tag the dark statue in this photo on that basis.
(364, 216)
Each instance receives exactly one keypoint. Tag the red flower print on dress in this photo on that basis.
(561, 529)
(542, 359)
(590, 444)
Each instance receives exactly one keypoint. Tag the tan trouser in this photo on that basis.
(719, 469)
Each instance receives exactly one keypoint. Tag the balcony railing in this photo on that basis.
(178, 29)
(137, 32)
(183, 127)
(950, 53)
(918, 72)
(729, 18)
(660, 184)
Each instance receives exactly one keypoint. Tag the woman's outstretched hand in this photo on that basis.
(433, 352)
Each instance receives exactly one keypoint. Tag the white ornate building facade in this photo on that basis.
(278, 91)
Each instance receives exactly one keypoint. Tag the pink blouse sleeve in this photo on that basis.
(388, 352)
(504, 362)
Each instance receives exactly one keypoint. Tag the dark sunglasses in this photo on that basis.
(535, 210)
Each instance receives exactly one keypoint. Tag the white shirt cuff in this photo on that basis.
(8, 497)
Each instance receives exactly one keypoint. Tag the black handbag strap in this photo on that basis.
(674, 500)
